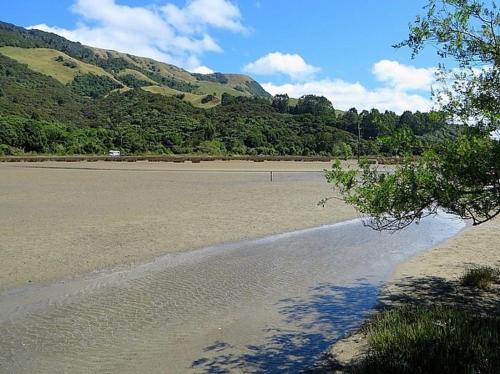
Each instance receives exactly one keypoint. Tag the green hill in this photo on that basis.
(61, 97)
(64, 60)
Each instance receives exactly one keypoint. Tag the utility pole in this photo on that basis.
(359, 138)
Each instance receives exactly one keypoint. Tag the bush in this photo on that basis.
(94, 86)
(212, 147)
(7, 150)
(207, 99)
(432, 340)
(480, 277)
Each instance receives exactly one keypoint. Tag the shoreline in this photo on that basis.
(429, 278)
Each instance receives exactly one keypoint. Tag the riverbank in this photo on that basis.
(432, 278)
(61, 219)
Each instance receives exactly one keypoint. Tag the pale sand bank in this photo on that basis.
(58, 221)
(432, 278)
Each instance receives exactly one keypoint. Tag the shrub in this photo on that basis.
(432, 340)
(207, 99)
(7, 150)
(480, 277)
(94, 86)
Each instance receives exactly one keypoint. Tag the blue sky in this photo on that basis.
(340, 49)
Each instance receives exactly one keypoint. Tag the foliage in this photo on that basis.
(138, 121)
(30, 135)
(462, 177)
(94, 86)
(207, 99)
(312, 104)
(480, 277)
(468, 32)
(452, 177)
(281, 103)
(432, 339)
(215, 77)
(171, 82)
(27, 93)
(132, 81)
(212, 147)
(343, 150)
(39, 114)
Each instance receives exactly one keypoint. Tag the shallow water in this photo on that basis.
(267, 305)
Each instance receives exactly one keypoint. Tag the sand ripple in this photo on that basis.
(262, 305)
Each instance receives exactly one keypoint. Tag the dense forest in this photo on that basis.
(95, 113)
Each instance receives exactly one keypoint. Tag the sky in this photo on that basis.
(335, 48)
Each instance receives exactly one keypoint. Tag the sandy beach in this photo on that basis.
(62, 219)
(432, 278)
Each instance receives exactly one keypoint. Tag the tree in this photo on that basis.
(461, 177)
(281, 103)
(316, 105)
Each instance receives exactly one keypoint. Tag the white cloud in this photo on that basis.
(292, 65)
(167, 33)
(202, 70)
(393, 94)
(403, 77)
(201, 13)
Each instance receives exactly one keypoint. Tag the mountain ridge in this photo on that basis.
(205, 90)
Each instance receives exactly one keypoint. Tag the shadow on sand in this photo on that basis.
(422, 291)
(314, 323)
(440, 291)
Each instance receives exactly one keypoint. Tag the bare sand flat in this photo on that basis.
(58, 220)
(478, 245)
(432, 278)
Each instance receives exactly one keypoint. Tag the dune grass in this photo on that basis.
(416, 339)
(481, 277)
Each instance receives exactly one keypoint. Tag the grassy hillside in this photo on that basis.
(137, 74)
(194, 99)
(62, 97)
(34, 95)
(62, 59)
(53, 63)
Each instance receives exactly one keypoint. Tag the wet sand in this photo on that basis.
(432, 278)
(267, 305)
(59, 220)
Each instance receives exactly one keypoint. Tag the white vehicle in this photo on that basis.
(114, 153)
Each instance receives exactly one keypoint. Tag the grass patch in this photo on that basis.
(52, 63)
(187, 96)
(432, 340)
(480, 277)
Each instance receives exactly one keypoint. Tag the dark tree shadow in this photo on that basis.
(315, 323)
(440, 291)
(426, 291)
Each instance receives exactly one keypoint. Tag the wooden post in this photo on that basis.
(271, 175)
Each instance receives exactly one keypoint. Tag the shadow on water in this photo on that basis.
(330, 312)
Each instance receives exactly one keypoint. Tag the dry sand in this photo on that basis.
(432, 278)
(58, 220)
